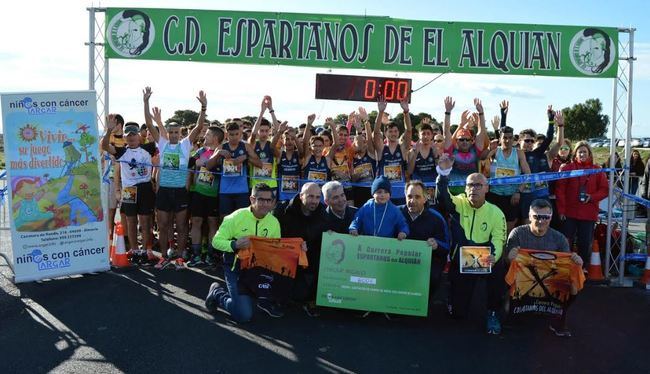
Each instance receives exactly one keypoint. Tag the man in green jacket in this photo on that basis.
(234, 234)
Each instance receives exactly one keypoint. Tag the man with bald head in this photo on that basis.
(304, 217)
(474, 222)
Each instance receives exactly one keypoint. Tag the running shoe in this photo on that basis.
(151, 256)
(562, 332)
(163, 263)
(196, 261)
(179, 263)
(493, 323)
(311, 309)
(215, 294)
(271, 308)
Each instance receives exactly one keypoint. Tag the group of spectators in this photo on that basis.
(212, 189)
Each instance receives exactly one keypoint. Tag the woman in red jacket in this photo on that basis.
(578, 198)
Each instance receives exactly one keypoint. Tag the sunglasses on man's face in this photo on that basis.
(464, 140)
(438, 141)
(541, 217)
(564, 148)
(529, 140)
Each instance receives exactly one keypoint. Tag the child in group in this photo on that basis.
(379, 216)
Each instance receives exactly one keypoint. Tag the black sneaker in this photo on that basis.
(562, 332)
(271, 308)
(311, 309)
(214, 294)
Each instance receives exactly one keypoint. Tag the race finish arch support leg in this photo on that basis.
(621, 127)
(98, 75)
(97, 61)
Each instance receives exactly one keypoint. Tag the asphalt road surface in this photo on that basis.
(153, 321)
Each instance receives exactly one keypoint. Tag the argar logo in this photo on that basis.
(592, 51)
(130, 33)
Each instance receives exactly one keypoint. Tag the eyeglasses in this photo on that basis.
(529, 140)
(474, 185)
(438, 141)
(263, 200)
(564, 148)
(541, 217)
(464, 140)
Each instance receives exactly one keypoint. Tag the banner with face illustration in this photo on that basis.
(361, 42)
(56, 210)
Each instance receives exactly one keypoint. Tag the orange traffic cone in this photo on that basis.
(118, 248)
(595, 271)
(645, 279)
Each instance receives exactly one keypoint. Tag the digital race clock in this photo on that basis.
(360, 88)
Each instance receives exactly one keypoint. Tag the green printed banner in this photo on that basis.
(361, 42)
(374, 274)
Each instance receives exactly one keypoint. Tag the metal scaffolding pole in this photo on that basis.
(621, 127)
(97, 63)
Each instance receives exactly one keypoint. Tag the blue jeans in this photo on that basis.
(238, 305)
(583, 233)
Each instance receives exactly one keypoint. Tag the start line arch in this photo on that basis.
(381, 43)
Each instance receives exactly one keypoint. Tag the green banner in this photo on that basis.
(377, 43)
(374, 274)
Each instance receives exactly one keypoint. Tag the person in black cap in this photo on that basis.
(137, 193)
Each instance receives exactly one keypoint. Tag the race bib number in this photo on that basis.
(363, 172)
(341, 173)
(205, 177)
(289, 184)
(265, 171)
(393, 172)
(530, 187)
(130, 195)
(231, 169)
(504, 172)
(171, 161)
(320, 176)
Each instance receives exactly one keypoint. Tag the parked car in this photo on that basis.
(636, 142)
(596, 142)
(645, 143)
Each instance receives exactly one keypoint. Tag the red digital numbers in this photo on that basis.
(362, 88)
(370, 91)
(390, 89)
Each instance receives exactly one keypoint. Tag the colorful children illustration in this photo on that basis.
(26, 194)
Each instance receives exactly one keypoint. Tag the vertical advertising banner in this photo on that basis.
(54, 180)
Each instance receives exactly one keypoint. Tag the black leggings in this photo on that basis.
(462, 287)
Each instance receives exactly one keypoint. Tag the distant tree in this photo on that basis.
(185, 117)
(585, 120)
(341, 119)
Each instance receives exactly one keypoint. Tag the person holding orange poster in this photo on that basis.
(268, 266)
(540, 280)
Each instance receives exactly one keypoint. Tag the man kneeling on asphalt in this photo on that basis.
(233, 235)
(537, 235)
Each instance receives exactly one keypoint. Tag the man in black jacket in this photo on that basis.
(304, 217)
(428, 225)
(339, 214)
